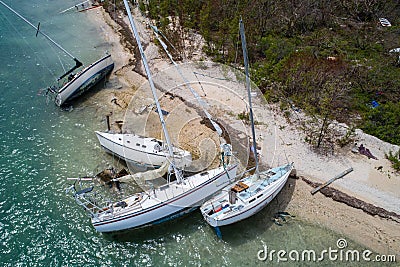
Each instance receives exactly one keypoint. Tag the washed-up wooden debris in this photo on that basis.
(331, 180)
(339, 196)
(110, 177)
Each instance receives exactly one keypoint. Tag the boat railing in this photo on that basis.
(87, 199)
(190, 182)
(96, 208)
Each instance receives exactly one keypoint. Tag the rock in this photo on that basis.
(293, 174)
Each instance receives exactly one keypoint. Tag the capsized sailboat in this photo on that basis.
(178, 194)
(249, 195)
(82, 81)
(70, 85)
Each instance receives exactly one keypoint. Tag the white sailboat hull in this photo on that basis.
(145, 151)
(251, 206)
(166, 203)
(84, 80)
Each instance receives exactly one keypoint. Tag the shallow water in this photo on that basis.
(42, 145)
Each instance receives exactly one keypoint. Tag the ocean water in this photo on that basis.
(41, 145)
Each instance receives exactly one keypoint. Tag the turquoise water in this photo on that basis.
(42, 145)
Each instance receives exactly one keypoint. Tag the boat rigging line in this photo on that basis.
(77, 62)
(246, 64)
(201, 86)
(178, 174)
(206, 75)
(39, 61)
(187, 83)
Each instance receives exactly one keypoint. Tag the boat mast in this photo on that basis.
(77, 62)
(187, 83)
(246, 65)
(153, 90)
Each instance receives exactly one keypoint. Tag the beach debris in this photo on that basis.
(374, 104)
(384, 22)
(280, 217)
(396, 50)
(68, 109)
(339, 196)
(332, 180)
(108, 122)
(276, 221)
(110, 177)
(293, 107)
(142, 109)
(293, 174)
(355, 149)
(164, 112)
(365, 151)
(114, 100)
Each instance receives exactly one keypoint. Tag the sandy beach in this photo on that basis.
(126, 96)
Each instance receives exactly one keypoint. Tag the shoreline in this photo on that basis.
(368, 182)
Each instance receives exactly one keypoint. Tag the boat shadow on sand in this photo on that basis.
(235, 234)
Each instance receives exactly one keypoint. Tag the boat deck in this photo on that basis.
(152, 198)
(266, 178)
(247, 190)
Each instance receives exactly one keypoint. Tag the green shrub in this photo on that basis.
(394, 159)
(384, 122)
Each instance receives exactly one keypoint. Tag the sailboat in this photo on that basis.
(70, 85)
(249, 195)
(141, 151)
(82, 6)
(160, 203)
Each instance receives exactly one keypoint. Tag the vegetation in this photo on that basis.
(244, 116)
(395, 159)
(328, 58)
